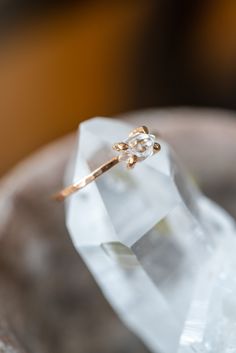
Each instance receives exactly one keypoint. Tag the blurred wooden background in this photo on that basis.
(62, 64)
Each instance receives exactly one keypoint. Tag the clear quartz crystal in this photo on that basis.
(161, 252)
(141, 145)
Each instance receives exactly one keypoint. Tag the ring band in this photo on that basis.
(137, 147)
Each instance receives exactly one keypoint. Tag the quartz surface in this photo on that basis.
(47, 296)
(150, 235)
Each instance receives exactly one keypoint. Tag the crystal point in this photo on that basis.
(161, 252)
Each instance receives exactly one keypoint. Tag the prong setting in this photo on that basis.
(139, 130)
(132, 161)
(120, 146)
(137, 147)
(156, 147)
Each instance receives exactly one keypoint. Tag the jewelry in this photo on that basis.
(136, 148)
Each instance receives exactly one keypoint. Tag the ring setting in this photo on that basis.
(139, 145)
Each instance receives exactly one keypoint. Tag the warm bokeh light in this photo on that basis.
(62, 69)
(63, 64)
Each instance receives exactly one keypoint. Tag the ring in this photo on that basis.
(136, 148)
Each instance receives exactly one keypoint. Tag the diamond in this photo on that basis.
(141, 145)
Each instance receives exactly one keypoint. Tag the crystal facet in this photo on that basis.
(161, 252)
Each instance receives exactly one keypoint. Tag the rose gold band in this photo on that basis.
(139, 145)
(61, 195)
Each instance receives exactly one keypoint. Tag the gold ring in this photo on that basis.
(136, 148)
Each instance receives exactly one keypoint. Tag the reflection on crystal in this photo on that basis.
(211, 322)
(163, 255)
(120, 253)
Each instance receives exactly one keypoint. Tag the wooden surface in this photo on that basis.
(47, 296)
